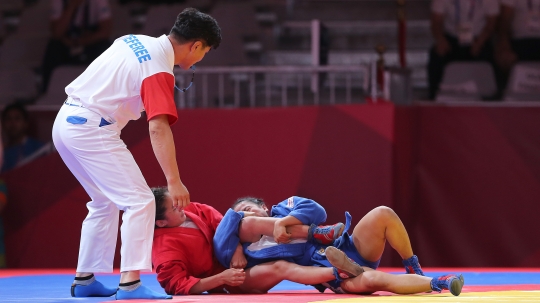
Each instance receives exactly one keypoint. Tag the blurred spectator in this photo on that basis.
(519, 35)
(462, 30)
(18, 146)
(80, 32)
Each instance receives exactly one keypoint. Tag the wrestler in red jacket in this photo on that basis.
(183, 255)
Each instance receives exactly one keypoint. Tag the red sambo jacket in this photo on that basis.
(182, 256)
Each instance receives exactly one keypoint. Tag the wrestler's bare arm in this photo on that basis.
(231, 276)
(252, 228)
(238, 259)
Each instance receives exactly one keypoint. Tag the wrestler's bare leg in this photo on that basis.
(252, 228)
(378, 226)
(373, 280)
(261, 278)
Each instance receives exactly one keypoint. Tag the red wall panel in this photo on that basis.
(340, 156)
(478, 186)
(464, 180)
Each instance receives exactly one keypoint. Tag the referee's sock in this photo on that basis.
(135, 290)
(89, 287)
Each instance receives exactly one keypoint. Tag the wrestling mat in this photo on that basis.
(481, 285)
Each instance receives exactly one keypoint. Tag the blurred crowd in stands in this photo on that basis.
(74, 32)
(501, 32)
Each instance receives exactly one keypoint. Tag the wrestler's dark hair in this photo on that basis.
(159, 195)
(16, 107)
(257, 201)
(192, 24)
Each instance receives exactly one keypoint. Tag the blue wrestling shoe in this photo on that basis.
(141, 292)
(412, 266)
(344, 267)
(326, 234)
(95, 289)
(454, 283)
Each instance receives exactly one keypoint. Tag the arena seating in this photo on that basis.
(467, 81)
(524, 83)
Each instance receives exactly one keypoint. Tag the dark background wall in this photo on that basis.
(465, 180)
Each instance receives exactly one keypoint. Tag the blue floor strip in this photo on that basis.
(56, 288)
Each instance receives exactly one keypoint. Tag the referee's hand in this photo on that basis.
(179, 195)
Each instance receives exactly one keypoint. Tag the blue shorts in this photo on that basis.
(344, 243)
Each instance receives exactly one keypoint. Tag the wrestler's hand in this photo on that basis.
(179, 195)
(249, 214)
(233, 276)
(238, 259)
(280, 233)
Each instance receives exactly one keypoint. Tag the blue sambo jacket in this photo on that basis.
(306, 210)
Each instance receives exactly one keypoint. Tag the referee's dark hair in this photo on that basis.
(192, 24)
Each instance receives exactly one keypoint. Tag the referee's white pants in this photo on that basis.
(106, 169)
